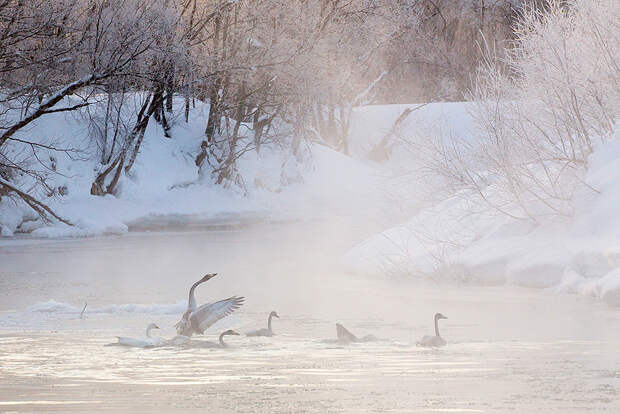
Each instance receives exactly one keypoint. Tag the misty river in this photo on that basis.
(509, 349)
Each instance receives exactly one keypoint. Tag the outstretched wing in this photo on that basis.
(206, 315)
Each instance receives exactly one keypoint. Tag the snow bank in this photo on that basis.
(165, 182)
(460, 240)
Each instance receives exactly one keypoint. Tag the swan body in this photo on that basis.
(265, 331)
(433, 341)
(345, 337)
(196, 319)
(146, 342)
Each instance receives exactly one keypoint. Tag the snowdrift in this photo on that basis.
(166, 186)
(461, 240)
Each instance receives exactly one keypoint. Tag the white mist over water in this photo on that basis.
(509, 349)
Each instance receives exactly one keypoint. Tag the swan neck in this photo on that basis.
(148, 331)
(222, 339)
(191, 302)
(269, 322)
(437, 327)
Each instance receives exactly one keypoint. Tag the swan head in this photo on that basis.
(208, 276)
(149, 328)
(274, 314)
(230, 332)
(440, 316)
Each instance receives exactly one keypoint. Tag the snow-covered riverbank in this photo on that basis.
(463, 240)
(422, 231)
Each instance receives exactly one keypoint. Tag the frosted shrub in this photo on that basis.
(541, 109)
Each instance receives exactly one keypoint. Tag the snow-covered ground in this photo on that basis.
(166, 185)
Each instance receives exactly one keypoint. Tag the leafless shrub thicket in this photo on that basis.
(540, 109)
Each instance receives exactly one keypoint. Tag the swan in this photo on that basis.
(221, 344)
(196, 319)
(147, 342)
(436, 340)
(265, 331)
(346, 337)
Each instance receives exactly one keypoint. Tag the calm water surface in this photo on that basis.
(509, 350)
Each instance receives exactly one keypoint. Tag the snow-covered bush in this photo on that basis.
(541, 109)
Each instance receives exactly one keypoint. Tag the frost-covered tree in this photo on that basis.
(48, 52)
(272, 71)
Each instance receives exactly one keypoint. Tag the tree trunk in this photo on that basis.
(169, 96)
(186, 109)
(229, 165)
(147, 110)
(140, 127)
(215, 113)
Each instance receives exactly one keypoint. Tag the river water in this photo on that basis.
(509, 349)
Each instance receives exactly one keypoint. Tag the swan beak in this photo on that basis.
(234, 332)
(156, 327)
(208, 276)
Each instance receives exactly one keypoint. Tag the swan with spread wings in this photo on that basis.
(197, 319)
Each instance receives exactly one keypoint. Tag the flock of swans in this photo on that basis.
(196, 319)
